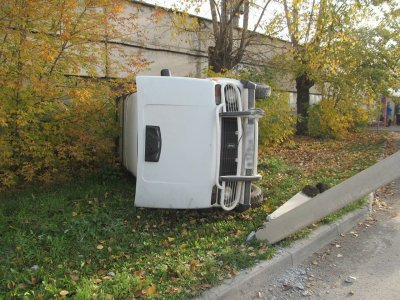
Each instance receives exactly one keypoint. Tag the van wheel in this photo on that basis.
(256, 199)
(256, 196)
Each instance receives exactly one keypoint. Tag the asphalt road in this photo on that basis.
(362, 264)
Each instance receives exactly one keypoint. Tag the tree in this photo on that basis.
(229, 41)
(55, 116)
(327, 42)
(229, 49)
(307, 23)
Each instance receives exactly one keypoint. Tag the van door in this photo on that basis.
(176, 142)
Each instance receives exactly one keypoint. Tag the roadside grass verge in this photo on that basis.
(85, 239)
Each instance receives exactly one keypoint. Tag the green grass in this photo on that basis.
(60, 229)
(79, 232)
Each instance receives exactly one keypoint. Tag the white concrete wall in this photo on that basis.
(184, 53)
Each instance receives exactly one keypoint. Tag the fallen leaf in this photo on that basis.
(339, 255)
(151, 290)
(99, 246)
(74, 277)
(64, 293)
(193, 265)
(173, 290)
(22, 286)
(11, 285)
(171, 239)
(138, 273)
(74, 214)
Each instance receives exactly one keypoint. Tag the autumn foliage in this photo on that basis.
(57, 118)
(278, 124)
(328, 119)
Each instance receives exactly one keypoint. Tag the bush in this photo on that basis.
(278, 123)
(61, 142)
(57, 118)
(327, 120)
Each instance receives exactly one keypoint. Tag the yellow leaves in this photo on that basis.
(194, 264)
(3, 118)
(74, 214)
(268, 208)
(7, 179)
(278, 123)
(183, 22)
(167, 241)
(82, 95)
(157, 15)
(41, 104)
(184, 232)
(47, 53)
(99, 247)
(151, 290)
(173, 290)
(327, 119)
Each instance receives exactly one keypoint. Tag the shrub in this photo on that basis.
(57, 118)
(60, 142)
(329, 120)
(278, 123)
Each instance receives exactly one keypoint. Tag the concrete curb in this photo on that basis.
(286, 258)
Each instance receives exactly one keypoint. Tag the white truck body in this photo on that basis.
(185, 145)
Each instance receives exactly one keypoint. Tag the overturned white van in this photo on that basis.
(192, 143)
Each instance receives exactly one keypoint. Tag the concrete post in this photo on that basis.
(331, 200)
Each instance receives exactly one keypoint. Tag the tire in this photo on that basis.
(256, 199)
(256, 196)
(262, 92)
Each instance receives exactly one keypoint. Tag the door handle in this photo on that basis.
(153, 143)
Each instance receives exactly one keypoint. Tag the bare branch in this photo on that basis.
(310, 21)
(261, 16)
(213, 9)
(289, 23)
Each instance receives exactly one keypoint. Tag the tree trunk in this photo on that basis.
(218, 61)
(303, 85)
